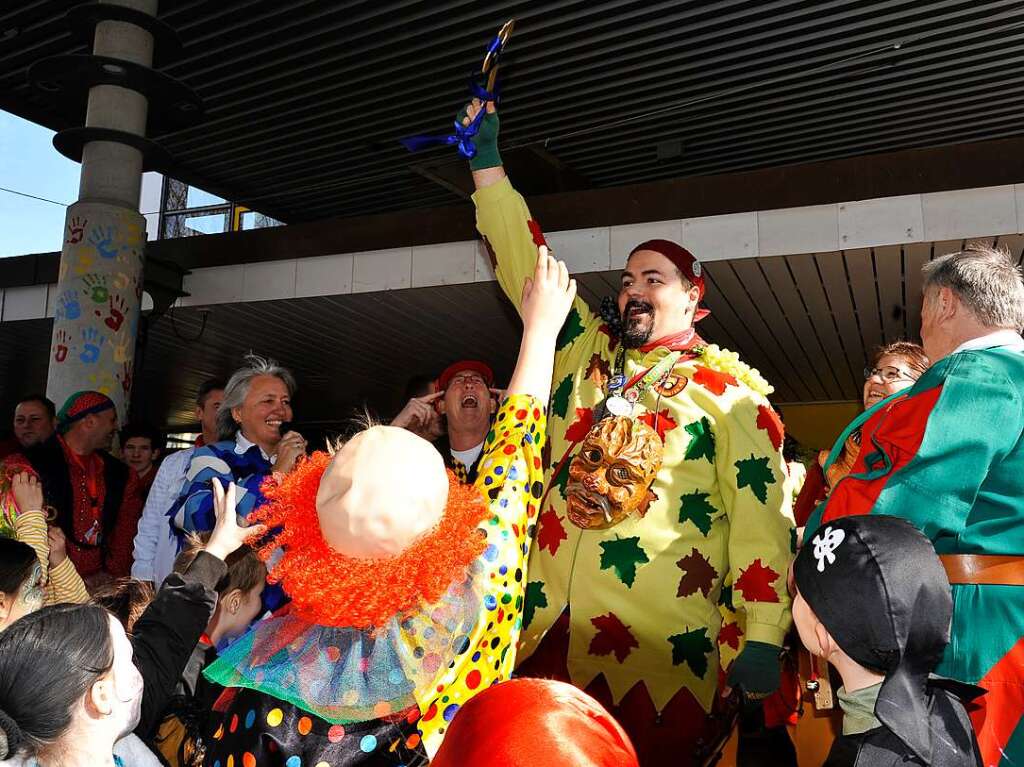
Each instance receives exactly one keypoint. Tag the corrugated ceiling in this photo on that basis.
(305, 100)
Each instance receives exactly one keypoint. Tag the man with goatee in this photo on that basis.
(666, 496)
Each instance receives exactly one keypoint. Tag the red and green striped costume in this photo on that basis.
(949, 457)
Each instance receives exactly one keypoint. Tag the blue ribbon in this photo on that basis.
(462, 138)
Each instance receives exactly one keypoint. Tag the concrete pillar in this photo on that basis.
(99, 287)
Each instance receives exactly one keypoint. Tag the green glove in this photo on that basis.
(757, 669)
(486, 143)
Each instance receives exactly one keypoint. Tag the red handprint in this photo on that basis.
(60, 351)
(117, 309)
(125, 377)
(76, 230)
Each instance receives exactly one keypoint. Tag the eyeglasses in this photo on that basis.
(888, 374)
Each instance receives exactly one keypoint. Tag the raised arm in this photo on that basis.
(510, 232)
(545, 302)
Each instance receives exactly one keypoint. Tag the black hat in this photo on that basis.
(878, 587)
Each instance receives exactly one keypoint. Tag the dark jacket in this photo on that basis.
(167, 633)
(50, 463)
(953, 741)
(466, 474)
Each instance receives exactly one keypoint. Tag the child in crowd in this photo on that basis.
(239, 596)
(874, 600)
(127, 599)
(23, 518)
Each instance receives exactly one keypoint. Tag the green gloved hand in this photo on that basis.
(757, 669)
(486, 143)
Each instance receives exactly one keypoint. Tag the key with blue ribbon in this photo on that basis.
(462, 138)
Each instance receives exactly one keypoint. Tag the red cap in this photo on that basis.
(684, 261)
(462, 365)
(681, 257)
(534, 723)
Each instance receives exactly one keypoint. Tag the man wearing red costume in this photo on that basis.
(96, 497)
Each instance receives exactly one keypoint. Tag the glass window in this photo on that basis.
(200, 222)
(181, 196)
(250, 219)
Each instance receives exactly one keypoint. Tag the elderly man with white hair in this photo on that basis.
(948, 455)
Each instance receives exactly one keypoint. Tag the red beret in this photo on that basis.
(462, 365)
(685, 263)
(681, 257)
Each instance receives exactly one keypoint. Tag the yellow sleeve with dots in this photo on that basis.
(511, 478)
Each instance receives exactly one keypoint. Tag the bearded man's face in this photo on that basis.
(655, 300)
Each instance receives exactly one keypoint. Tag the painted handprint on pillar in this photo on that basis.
(102, 382)
(117, 310)
(121, 348)
(102, 239)
(96, 288)
(68, 307)
(60, 350)
(76, 230)
(125, 377)
(92, 343)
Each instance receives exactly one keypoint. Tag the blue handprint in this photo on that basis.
(68, 307)
(102, 239)
(92, 343)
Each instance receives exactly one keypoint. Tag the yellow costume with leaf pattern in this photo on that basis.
(644, 596)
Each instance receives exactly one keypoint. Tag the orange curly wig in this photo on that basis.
(334, 590)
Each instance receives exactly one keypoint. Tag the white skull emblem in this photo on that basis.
(825, 546)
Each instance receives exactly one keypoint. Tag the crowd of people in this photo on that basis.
(602, 563)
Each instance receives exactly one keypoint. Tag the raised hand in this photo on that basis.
(28, 492)
(548, 295)
(486, 165)
(421, 418)
(58, 545)
(228, 536)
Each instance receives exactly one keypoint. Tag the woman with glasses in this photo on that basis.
(893, 368)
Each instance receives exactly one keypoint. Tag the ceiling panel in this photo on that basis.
(305, 100)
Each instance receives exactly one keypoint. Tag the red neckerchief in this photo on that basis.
(90, 465)
(677, 342)
(683, 341)
(200, 441)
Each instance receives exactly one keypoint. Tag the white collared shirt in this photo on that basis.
(242, 445)
(1004, 338)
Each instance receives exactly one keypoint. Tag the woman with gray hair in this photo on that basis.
(253, 444)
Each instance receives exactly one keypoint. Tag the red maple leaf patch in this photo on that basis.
(730, 634)
(768, 420)
(612, 637)
(613, 340)
(537, 232)
(598, 369)
(581, 426)
(714, 381)
(663, 424)
(756, 583)
(698, 574)
(550, 532)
